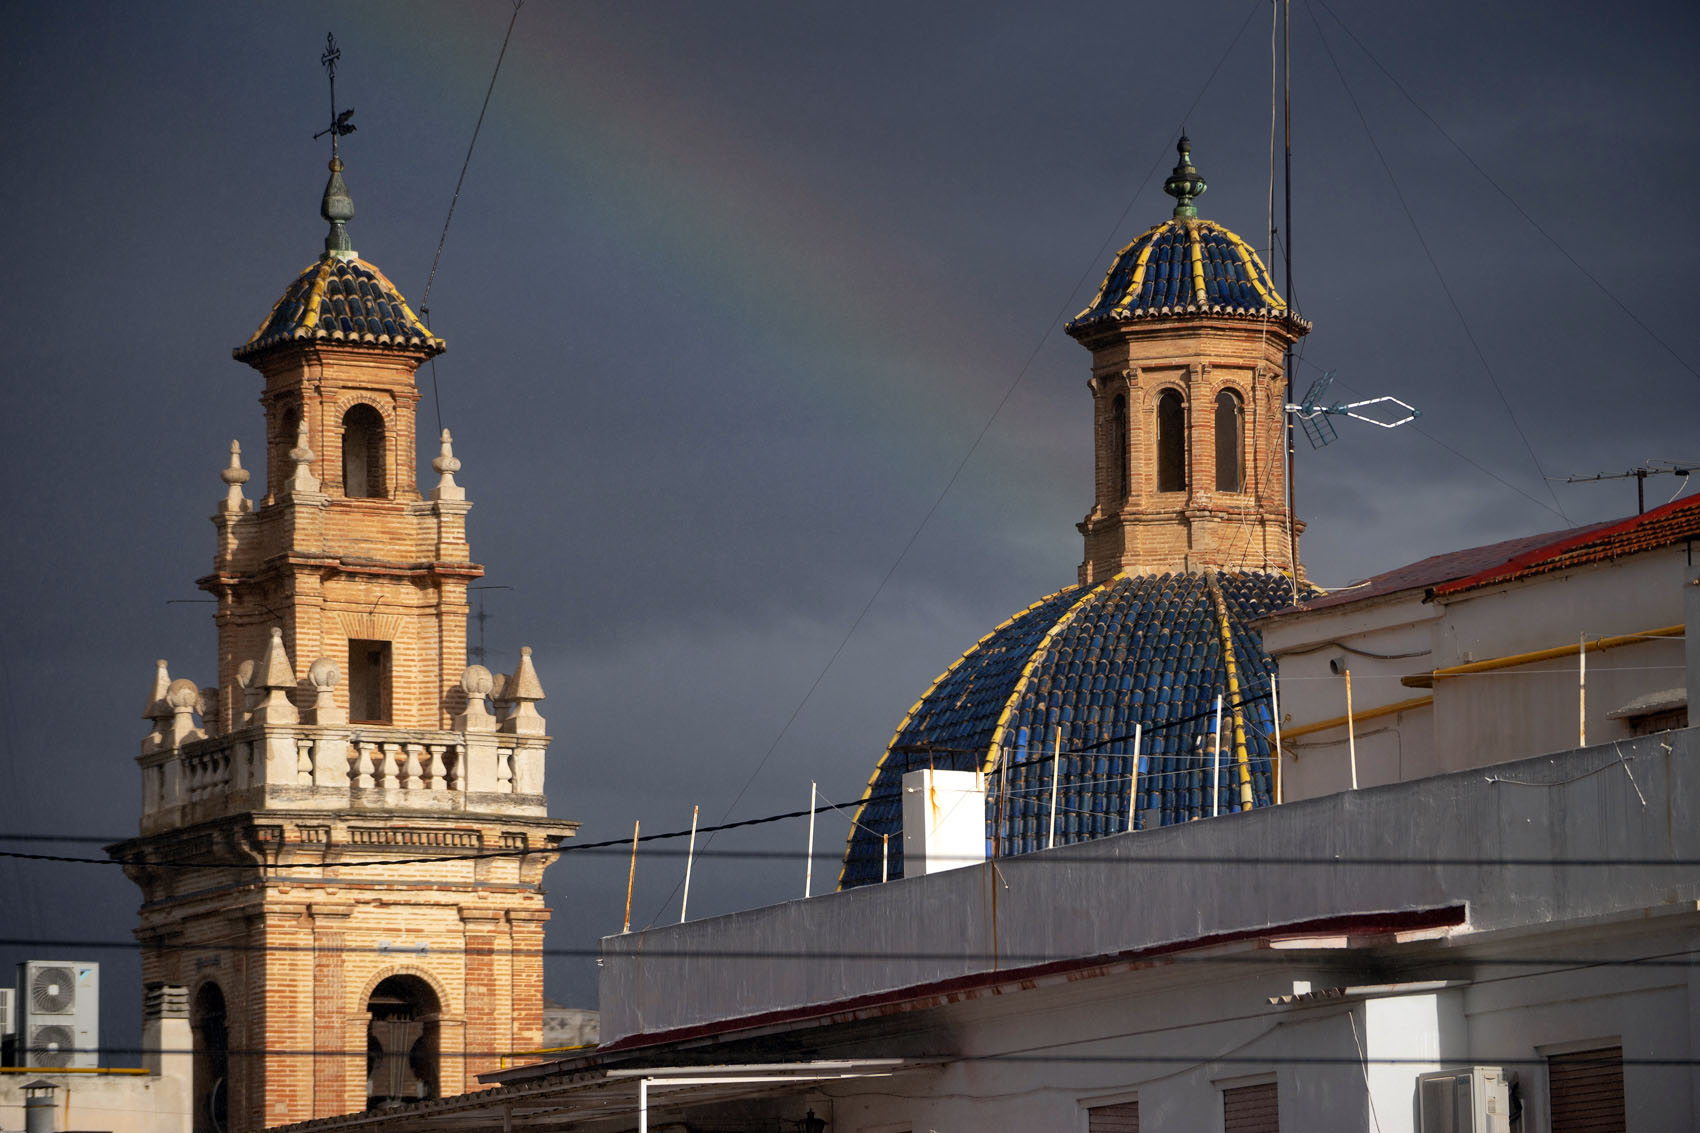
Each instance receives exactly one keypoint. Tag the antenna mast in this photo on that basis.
(1640, 472)
(1287, 260)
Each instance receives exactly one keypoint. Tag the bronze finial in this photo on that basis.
(1184, 184)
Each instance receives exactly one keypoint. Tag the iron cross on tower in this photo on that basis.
(341, 122)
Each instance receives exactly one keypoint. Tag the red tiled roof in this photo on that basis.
(1436, 569)
(1660, 527)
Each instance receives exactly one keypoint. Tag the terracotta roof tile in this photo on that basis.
(1672, 523)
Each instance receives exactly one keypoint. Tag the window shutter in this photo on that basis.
(1586, 1089)
(1251, 1109)
(1123, 1117)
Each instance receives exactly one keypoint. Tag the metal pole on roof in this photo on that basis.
(885, 858)
(1216, 765)
(1351, 731)
(1133, 781)
(809, 865)
(1582, 691)
(690, 855)
(1275, 707)
(630, 878)
(1056, 769)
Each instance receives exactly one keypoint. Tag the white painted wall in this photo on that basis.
(1479, 719)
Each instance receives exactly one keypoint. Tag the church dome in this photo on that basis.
(1184, 266)
(1149, 650)
(343, 299)
(340, 297)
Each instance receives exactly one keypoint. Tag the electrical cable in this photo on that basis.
(1512, 201)
(1469, 334)
(1483, 469)
(967, 456)
(431, 280)
(1425, 965)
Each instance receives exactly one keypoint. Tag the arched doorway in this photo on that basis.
(401, 1042)
(211, 1061)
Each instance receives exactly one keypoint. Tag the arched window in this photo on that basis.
(1230, 442)
(1171, 442)
(211, 1065)
(401, 1043)
(1119, 449)
(363, 453)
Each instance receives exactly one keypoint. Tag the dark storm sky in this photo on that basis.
(730, 293)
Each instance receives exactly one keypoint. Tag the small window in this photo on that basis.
(363, 453)
(1230, 442)
(1251, 1109)
(369, 682)
(1171, 442)
(1122, 1117)
(1586, 1091)
(1119, 449)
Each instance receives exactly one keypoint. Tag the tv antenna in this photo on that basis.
(342, 122)
(1313, 415)
(1641, 472)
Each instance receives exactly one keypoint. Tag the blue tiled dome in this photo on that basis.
(342, 299)
(1183, 267)
(1147, 650)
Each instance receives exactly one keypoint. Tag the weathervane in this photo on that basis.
(342, 122)
(1313, 415)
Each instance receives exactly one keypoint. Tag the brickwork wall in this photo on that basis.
(297, 953)
(1200, 527)
(296, 932)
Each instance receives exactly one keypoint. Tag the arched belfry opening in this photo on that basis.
(1230, 442)
(1121, 480)
(402, 1045)
(211, 1067)
(1171, 442)
(363, 454)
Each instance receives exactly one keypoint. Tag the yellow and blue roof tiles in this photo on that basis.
(342, 299)
(1183, 267)
(1081, 669)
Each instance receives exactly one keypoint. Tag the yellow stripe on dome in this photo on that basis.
(1258, 276)
(1242, 756)
(316, 296)
(1026, 676)
(1102, 287)
(1199, 295)
(867, 792)
(1139, 267)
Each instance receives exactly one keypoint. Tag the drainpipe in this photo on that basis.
(1691, 644)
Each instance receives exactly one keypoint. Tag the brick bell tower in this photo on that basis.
(343, 840)
(1188, 341)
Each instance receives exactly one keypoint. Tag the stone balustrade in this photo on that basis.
(313, 759)
(312, 767)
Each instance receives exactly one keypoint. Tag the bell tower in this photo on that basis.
(1188, 341)
(343, 837)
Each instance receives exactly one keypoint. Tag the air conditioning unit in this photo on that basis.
(59, 1013)
(8, 1024)
(1474, 1099)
